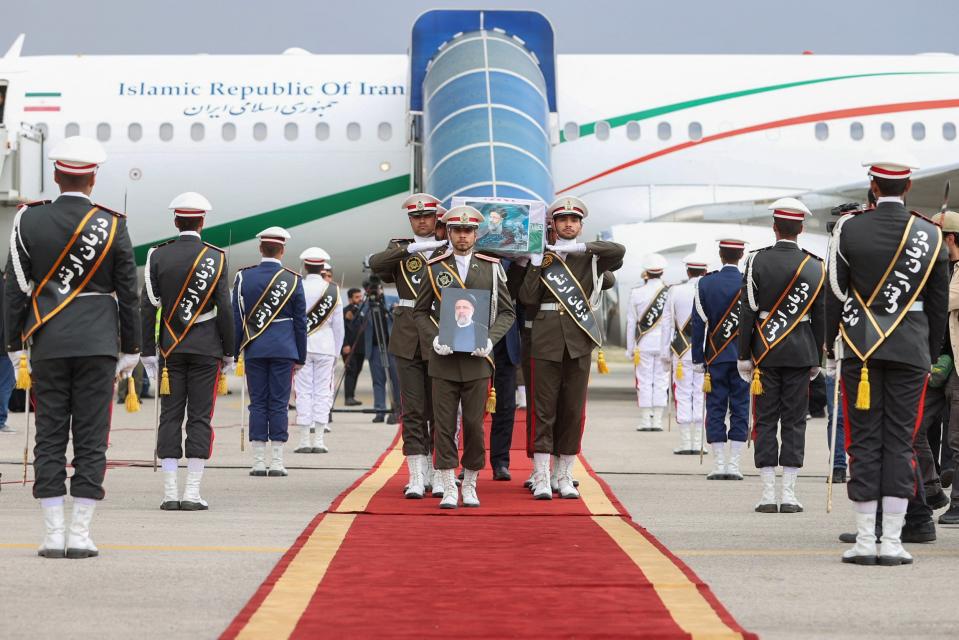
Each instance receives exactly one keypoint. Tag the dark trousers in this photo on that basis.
(415, 403)
(352, 366)
(953, 433)
(559, 404)
(193, 383)
(935, 411)
(501, 429)
(730, 394)
(447, 396)
(378, 375)
(269, 381)
(73, 395)
(526, 362)
(882, 461)
(818, 392)
(781, 407)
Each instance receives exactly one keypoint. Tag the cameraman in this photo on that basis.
(354, 345)
(376, 317)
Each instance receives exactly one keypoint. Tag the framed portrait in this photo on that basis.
(464, 318)
(512, 227)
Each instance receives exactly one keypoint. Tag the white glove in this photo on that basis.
(536, 259)
(427, 245)
(227, 365)
(151, 365)
(831, 367)
(745, 368)
(15, 359)
(699, 367)
(482, 352)
(813, 372)
(523, 261)
(576, 247)
(126, 364)
(629, 354)
(441, 349)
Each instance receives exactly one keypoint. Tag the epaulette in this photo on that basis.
(249, 266)
(163, 244)
(709, 273)
(36, 203)
(761, 249)
(811, 254)
(441, 257)
(213, 246)
(296, 273)
(919, 215)
(483, 256)
(401, 240)
(109, 210)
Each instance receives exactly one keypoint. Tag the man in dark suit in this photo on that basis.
(506, 357)
(354, 346)
(186, 281)
(71, 296)
(7, 379)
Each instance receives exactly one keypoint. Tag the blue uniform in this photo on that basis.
(715, 292)
(270, 357)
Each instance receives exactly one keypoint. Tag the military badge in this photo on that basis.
(444, 279)
(547, 260)
(414, 264)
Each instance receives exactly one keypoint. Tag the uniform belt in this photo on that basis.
(282, 319)
(203, 317)
(406, 303)
(549, 306)
(93, 293)
(765, 314)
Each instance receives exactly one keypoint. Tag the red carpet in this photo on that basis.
(378, 565)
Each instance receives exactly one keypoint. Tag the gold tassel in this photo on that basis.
(679, 369)
(133, 402)
(23, 374)
(756, 388)
(221, 388)
(862, 394)
(601, 362)
(491, 401)
(165, 382)
(636, 357)
(707, 383)
(240, 369)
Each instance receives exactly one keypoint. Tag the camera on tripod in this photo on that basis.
(843, 209)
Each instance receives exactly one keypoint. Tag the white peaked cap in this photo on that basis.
(568, 206)
(190, 205)
(315, 255)
(463, 216)
(654, 262)
(274, 234)
(420, 204)
(696, 261)
(892, 165)
(789, 209)
(78, 156)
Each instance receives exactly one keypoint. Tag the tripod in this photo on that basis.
(377, 319)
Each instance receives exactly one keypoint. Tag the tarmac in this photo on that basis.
(186, 574)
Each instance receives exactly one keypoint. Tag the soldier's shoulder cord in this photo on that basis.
(212, 246)
(483, 256)
(109, 210)
(440, 257)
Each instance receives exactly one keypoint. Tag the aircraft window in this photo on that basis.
(695, 131)
(664, 130)
(384, 131)
(72, 129)
(322, 131)
(290, 131)
(259, 131)
(822, 131)
(166, 132)
(632, 130)
(887, 131)
(918, 131)
(197, 131)
(949, 131)
(856, 131)
(571, 131)
(601, 130)
(135, 131)
(103, 132)
(353, 131)
(228, 131)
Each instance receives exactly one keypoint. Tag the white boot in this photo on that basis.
(789, 503)
(437, 491)
(171, 497)
(554, 474)
(191, 500)
(470, 499)
(891, 552)
(276, 464)
(657, 423)
(415, 489)
(427, 463)
(53, 540)
(645, 419)
(521, 397)
(719, 462)
(767, 504)
(697, 432)
(451, 494)
(529, 481)
(259, 458)
(79, 544)
(327, 428)
(732, 466)
(566, 488)
(318, 446)
(305, 446)
(541, 488)
(685, 439)
(864, 551)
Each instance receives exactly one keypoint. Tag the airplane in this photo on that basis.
(670, 152)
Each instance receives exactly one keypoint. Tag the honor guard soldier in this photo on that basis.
(563, 285)
(781, 336)
(71, 300)
(646, 316)
(269, 312)
(677, 339)
(186, 293)
(324, 329)
(404, 264)
(715, 329)
(461, 379)
(887, 298)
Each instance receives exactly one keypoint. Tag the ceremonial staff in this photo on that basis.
(835, 422)
(23, 382)
(239, 371)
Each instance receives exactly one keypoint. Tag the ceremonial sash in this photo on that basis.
(790, 309)
(866, 324)
(277, 293)
(724, 332)
(76, 265)
(196, 291)
(567, 289)
(682, 339)
(321, 311)
(653, 313)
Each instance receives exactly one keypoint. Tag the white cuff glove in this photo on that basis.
(699, 367)
(482, 352)
(831, 367)
(536, 259)
(126, 363)
(15, 359)
(745, 368)
(227, 365)
(522, 261)
(441, 349)
(152, 366)
(813, 372)
(428, 245)
(576, 247)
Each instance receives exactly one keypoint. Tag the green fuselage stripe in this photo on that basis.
(42, 94)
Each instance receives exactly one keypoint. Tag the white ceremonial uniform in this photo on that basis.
(652, 377)
(314, 381)
(688, 388)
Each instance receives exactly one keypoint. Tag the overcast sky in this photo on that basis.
(383, 26)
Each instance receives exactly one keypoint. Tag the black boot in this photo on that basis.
(838, 476)
(951, 516)
(922, 531)
(936, 498)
